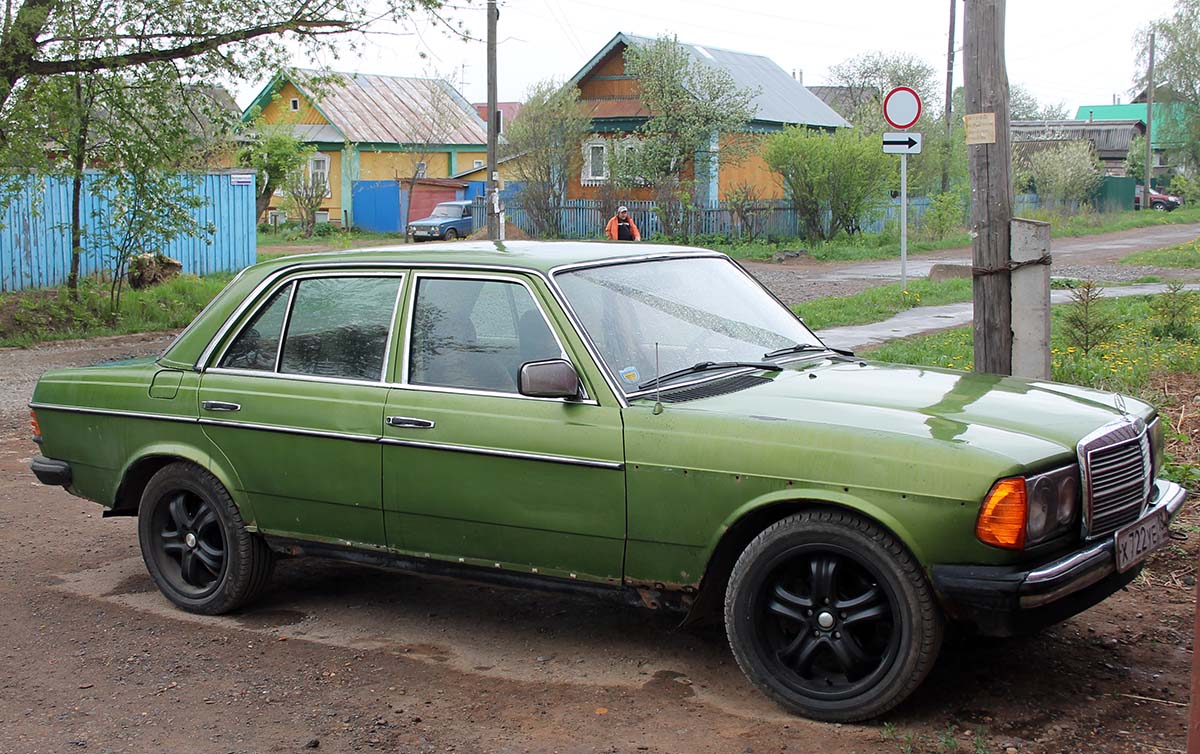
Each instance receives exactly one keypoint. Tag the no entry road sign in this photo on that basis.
(902, 108)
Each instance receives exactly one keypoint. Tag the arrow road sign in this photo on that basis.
(905, 143)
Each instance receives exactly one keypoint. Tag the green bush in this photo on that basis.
(945, 214)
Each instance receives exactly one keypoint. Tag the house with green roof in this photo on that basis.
(1167, 131)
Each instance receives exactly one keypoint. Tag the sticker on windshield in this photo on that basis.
(629, 374)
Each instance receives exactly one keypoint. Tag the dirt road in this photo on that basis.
(352, 659)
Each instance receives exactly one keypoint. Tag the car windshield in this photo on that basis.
(694, 309)
(447, 210)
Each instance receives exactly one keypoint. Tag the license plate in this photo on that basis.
(1136, 541)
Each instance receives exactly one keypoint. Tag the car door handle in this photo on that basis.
(409, 423)
(220, 406)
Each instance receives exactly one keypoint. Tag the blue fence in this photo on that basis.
(35, 230)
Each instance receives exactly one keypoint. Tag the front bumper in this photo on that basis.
(1004, 601)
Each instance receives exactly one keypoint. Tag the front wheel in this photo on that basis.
(831, 617)
(195, 545)
(1158, 206)
(450, 235)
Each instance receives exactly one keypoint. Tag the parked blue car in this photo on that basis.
(450, 220)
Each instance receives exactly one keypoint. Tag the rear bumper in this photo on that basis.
(51, 472)
(1003, 601)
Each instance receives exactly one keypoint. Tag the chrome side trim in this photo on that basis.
(295, 377)
(490, 394)
(289, 430)
(113, 412)
(473, 450)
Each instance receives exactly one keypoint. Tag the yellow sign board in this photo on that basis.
(981, 128)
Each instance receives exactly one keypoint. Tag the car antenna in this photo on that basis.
(658, 407)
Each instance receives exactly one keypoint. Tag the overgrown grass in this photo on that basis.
(886, 245)
(1186, 255)
(28, 317)
(338, 239)
(880, 303)
(1131, 361)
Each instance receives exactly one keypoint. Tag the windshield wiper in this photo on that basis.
(705, 366)
(804, 347)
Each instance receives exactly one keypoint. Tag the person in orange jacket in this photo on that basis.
(621, 226)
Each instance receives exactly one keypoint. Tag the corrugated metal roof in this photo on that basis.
(1108, 136)
(1162, 111)
(391, 109)
(780, 99)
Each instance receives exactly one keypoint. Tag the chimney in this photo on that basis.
(1091, 116)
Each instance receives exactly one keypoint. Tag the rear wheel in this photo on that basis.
(195, 545)
(831, 617)
(450, 234)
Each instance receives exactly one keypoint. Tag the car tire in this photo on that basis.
(195, 544)
(830, 616)
(450, 234)
(1158, 206)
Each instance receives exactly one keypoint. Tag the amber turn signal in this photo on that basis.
(1003, 515)
(33, 423)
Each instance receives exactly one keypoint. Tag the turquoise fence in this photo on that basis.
(35, 230)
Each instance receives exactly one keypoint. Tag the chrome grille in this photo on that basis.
(1116, 476)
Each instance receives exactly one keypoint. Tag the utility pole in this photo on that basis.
(991, 188)
(493, 194)
(1149, 126)
(949, 96)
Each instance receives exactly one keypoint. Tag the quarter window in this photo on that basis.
(476, 334)
(257, 344)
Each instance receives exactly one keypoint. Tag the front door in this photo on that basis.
(296, 401)
(478, 474)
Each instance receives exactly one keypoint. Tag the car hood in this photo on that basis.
(432, 221)
(1024, 421)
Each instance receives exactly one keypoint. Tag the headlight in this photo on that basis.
(1023, 511)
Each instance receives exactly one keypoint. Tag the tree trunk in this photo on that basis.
(263, 201)
(78, 162)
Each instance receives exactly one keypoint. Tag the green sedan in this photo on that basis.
(644, 424)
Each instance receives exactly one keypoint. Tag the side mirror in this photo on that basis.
(553, 378)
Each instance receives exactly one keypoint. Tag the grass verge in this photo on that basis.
(1185, 255)
(1163, 371)
(880, 303)
(28, 317)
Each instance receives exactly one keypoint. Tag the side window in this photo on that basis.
(257, 344)
(476, 334)
(339, 327)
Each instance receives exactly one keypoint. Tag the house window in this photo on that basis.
(421, 168)
(319, 166)
(478, 163)
(295, 104)
(596, 168)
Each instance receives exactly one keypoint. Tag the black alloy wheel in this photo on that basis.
(189, 543)
(827, 622)
(831, 616)
(195, 545)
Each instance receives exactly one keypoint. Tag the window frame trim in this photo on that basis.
(293, 281)
(402, 379)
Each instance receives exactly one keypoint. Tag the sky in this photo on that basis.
(1077, 52)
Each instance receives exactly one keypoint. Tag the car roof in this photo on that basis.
(536, 256)
(461, 202)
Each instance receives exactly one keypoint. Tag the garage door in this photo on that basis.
(425, 198)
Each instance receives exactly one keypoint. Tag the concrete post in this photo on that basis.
(1031, 299)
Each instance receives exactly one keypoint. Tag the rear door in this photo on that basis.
(295, 402)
